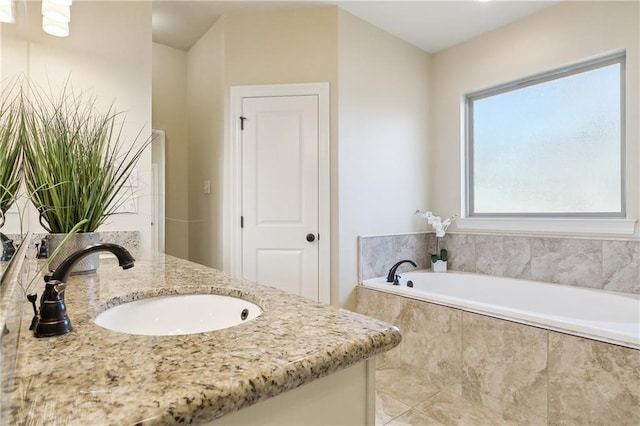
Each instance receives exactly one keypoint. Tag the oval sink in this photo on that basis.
(178, 314)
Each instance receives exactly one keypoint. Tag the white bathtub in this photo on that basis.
(602, 315)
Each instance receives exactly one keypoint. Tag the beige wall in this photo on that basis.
(13, 50)
(383, 140)
(559, 35)
(395, 137)
(379, 133)
(109, 54)
(170, 114)
(290, 46)
(206, 94)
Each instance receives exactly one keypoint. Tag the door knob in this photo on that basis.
(311, 238)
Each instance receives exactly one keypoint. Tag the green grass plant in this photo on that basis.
(76, 161)
(10, 152)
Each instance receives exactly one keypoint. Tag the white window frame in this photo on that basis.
(570, 223)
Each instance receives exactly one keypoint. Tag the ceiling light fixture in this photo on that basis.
(56, 15)
(56, 12)
(55, 28)
(6, 11)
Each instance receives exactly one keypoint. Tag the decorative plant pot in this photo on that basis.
(439, 266)
(86, 265)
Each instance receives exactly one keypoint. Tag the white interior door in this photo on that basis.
(280, 192)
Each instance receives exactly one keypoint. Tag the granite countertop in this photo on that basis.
(96, 376)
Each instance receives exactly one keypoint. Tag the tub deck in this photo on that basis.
(607, 316)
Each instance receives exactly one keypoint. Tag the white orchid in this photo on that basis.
(440, 227)
(437, 223)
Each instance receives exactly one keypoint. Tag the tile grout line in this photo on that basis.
(397, 400)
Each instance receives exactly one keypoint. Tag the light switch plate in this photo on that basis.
(128, 205)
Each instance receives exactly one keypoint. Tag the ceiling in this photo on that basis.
(430, 25)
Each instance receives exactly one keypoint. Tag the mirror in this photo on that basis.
(106, 58)
(13, 63)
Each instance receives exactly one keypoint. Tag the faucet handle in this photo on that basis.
(8, 250)
(32, 298)
(42, 252)
(53, 291)
(57, 288)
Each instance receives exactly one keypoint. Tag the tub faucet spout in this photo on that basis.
(391, 276)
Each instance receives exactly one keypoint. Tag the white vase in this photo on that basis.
(439, 266)
(87, 264)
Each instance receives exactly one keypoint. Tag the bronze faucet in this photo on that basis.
(52, 319)
(392, 277)
(8, 248)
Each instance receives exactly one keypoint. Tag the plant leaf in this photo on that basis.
(444, 255)
(76, 160)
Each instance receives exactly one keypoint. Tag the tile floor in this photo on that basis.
(403, 399)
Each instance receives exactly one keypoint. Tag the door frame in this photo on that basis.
(233, 176)
(159, 187)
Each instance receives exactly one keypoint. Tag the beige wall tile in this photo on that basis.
(621, 266)
(524, 374)
(503, 256)
(385, 307)
(431, 334)
(592, 382)
(412, 418)
(378, 254)
(593, 263)
(462, 253)
(449, 408)
(403, 384)
(388, 408)
(567, 261)
(504, 367)
(437, 331)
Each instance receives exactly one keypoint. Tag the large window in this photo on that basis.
(549, 146)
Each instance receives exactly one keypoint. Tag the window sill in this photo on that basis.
(573, 226)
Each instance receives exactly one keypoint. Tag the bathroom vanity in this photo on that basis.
(299, 362)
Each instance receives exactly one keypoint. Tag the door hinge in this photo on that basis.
(241, 221)
(242, 122)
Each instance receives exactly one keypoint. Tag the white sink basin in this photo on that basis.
(178, 314)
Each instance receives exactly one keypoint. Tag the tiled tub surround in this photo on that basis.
(607, 316)
(526, 374)
(95, 376)
(612, 265)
